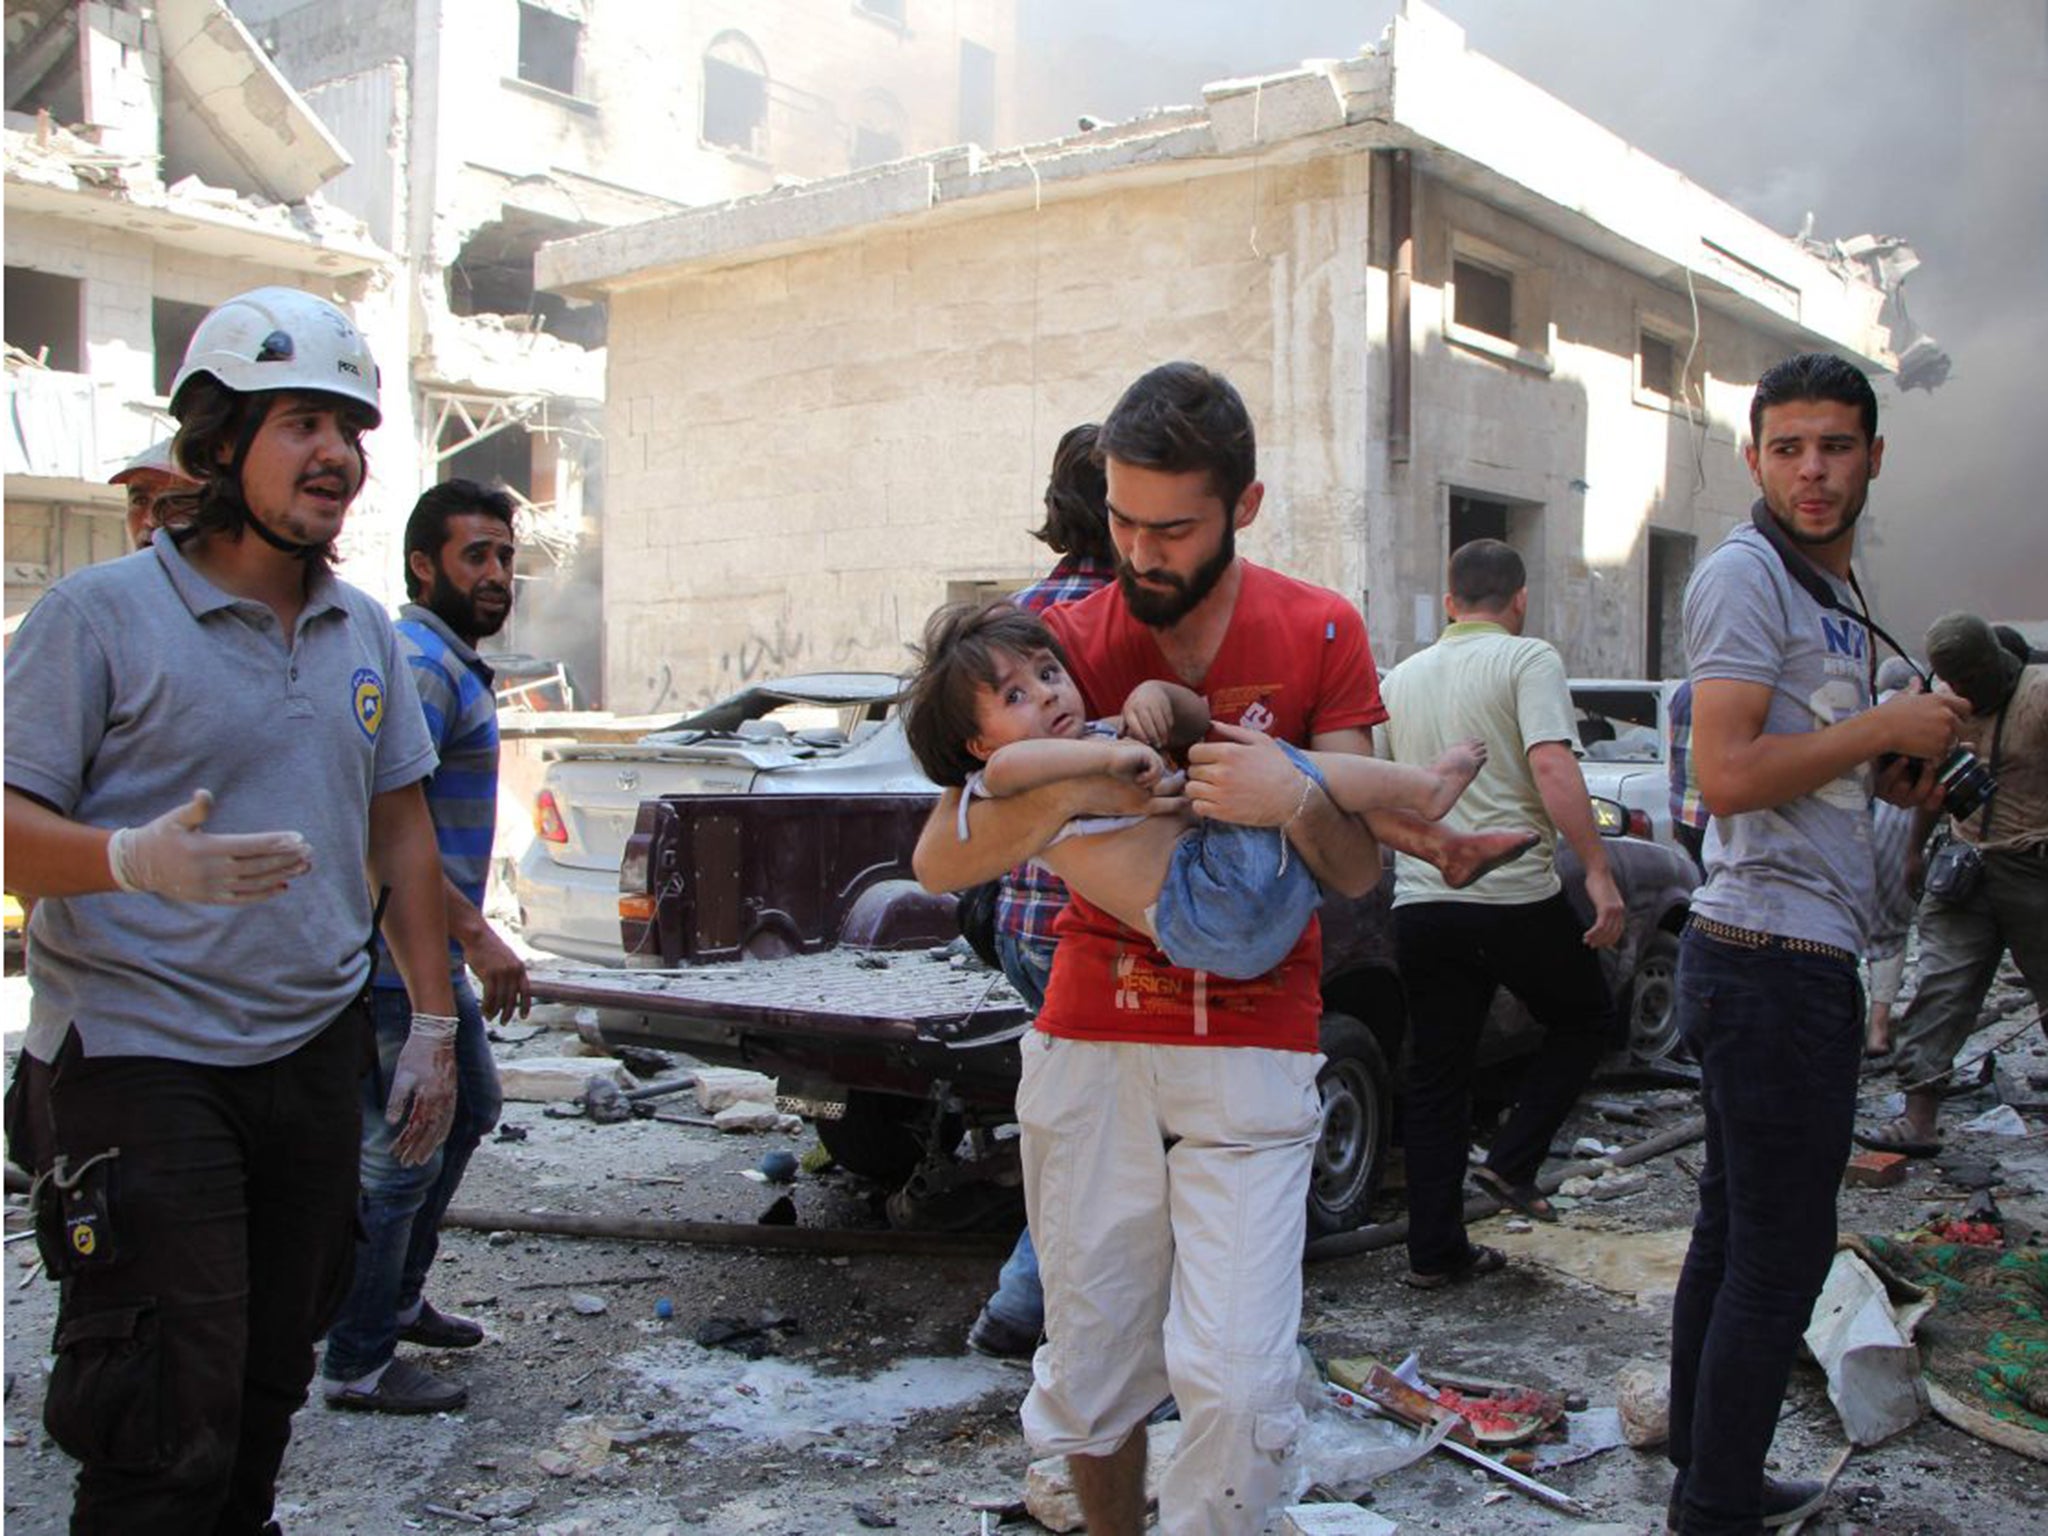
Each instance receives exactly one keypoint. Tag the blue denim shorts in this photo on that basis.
(1235, 899)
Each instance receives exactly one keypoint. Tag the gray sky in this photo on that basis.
(1921, 118)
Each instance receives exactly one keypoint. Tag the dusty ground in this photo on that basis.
(871, 1415)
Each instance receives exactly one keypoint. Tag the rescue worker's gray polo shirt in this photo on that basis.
(132, 684)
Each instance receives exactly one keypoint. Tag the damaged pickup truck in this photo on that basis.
(785, 933)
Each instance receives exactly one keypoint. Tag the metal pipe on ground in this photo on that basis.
(733, 1234)
(1344, 1245)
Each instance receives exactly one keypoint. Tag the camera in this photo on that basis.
(1966, 782)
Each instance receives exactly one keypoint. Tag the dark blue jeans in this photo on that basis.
(1779, 1038)
(402, 1207)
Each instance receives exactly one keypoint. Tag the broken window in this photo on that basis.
(977, 94)
(548, 45)
(1483, 298)
(46, 318)
(1657, 365)
(878, 133)
(44, 68)
(493, 275)
(736, 95)
(171, 327)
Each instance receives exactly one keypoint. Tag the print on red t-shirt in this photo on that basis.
(1294, 663)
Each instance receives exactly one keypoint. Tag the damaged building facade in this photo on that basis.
(1456, 307)
(156, 164)
(482, 129)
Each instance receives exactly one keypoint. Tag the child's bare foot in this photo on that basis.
(1469, 855)
(1454, 770)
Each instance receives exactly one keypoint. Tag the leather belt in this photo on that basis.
(1749, 938)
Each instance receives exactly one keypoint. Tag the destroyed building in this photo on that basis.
(1456, 306)
(482, 129)
(156, 164)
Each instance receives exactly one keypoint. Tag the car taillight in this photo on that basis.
(548, 825)
(636, 908)
(1639, 824)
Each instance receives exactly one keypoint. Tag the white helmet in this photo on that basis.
(280, 338)
(156, 456)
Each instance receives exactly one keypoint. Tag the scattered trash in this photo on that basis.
(1618, 1186)
(873, 1519)
(779, 1166)
(1588, 1433)
(502, 1239)
(508, 1132)
(1592, 1146)
(1578, 1187)
(2002, 1121)
(872, 960)
(587, 1305)
(1864, 1344)
(1642, 1400)
(664, 1308)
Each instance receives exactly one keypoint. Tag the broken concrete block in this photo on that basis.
(1333, 1520)
(1049, 1492)
(744, 1116)
(718, 1087)
(1642, 1396)
(556, 1079)
(1875, 1170)
(1578, 1187)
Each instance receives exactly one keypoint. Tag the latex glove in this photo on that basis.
(172, 857)
(423, 1088)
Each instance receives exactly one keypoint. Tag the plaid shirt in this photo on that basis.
(1687, 808)
(1030, 898)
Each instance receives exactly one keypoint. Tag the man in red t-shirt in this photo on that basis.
(1169, 1117)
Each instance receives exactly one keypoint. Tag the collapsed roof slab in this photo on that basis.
(229, 113)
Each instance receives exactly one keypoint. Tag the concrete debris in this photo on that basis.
(1049, 1493)
(743, 1116)
(506, 1503)
(1642, 1396)
(1864, 1343)
(587, 1305)
(1333, 1520)
(555, 1079)
(719, 1087)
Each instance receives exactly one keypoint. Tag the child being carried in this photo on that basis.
(993, 712)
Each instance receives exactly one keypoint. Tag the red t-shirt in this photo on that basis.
(1295, 664)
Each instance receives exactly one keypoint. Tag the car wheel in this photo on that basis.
(1653, 1000)
(882, 1135)
(1358, 1113)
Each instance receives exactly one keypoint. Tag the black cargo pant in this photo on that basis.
(184, 1344)
(1453, 954)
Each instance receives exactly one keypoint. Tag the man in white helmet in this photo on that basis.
(210, 746)
(148, 478)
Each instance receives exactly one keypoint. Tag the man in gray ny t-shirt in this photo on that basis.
(1785, 741)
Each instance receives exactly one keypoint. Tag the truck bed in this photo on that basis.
(892, 1020)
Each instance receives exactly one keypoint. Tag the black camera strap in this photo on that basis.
(1815, 586)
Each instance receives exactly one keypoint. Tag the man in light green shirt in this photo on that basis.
(1513, 927)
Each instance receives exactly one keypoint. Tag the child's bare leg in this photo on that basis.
(1462, 856)
(1363, 784)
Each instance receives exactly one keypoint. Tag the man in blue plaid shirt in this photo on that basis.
(1076, 529)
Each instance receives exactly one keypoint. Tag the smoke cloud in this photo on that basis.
(1919, 118)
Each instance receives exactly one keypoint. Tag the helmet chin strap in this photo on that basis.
(249, 520)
